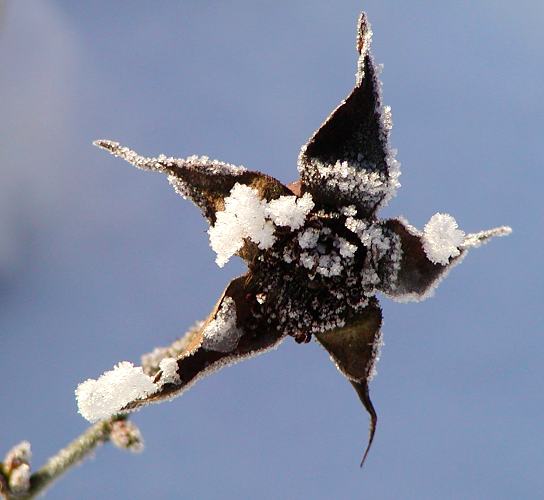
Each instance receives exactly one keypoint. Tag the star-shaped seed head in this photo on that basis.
(316, 253)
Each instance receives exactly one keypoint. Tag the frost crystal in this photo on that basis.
(356, 177)
(346, 248)
(442, 238)
(349, 211)
(376, 352)
(308, 238)
(475, 240)
(243, 217)
(221, 334)
(151, 361)
(290, 210)
(329, 265)
(307, 260)
(102, 398)
(169, 369)
(161, 163)
(246, 215)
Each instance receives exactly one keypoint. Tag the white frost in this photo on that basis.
(243, 217)
(102, 398)
(442, 238)
(169, 369)
(162, 163)
(346, 248)
(307, 260)
(330, 265)
(308, 238)
(246, 215)
(290, 210)
(474, 240)
(221, 334)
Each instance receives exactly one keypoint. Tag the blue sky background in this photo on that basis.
(100, 262)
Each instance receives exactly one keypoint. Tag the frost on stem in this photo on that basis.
(316, 251)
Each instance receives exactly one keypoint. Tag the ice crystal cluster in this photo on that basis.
(317, 254)
(114, 389)
(221, 333)
(248, 216)
(442, 238)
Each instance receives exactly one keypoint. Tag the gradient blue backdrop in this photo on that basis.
(100, 263)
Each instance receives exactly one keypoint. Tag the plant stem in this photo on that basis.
(69, 456)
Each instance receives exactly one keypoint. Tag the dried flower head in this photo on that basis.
(316, 252)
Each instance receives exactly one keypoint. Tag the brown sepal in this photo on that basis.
(352, 131)
(354, 349)
(417, 275)
(197, 361)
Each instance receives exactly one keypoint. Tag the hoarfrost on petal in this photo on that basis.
(308, 238)
(346, 248)
(112, 391)
(442, 238)
(264, 236)
(221, 334)
(474, 240)
(307, 260)
(161, 163)
(243, 217)
(169, 369)
(290, 210)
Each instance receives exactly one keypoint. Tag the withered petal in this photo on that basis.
(198, 361)
(417, 276)
(204, 181)
(356, 133)
(354, 349)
